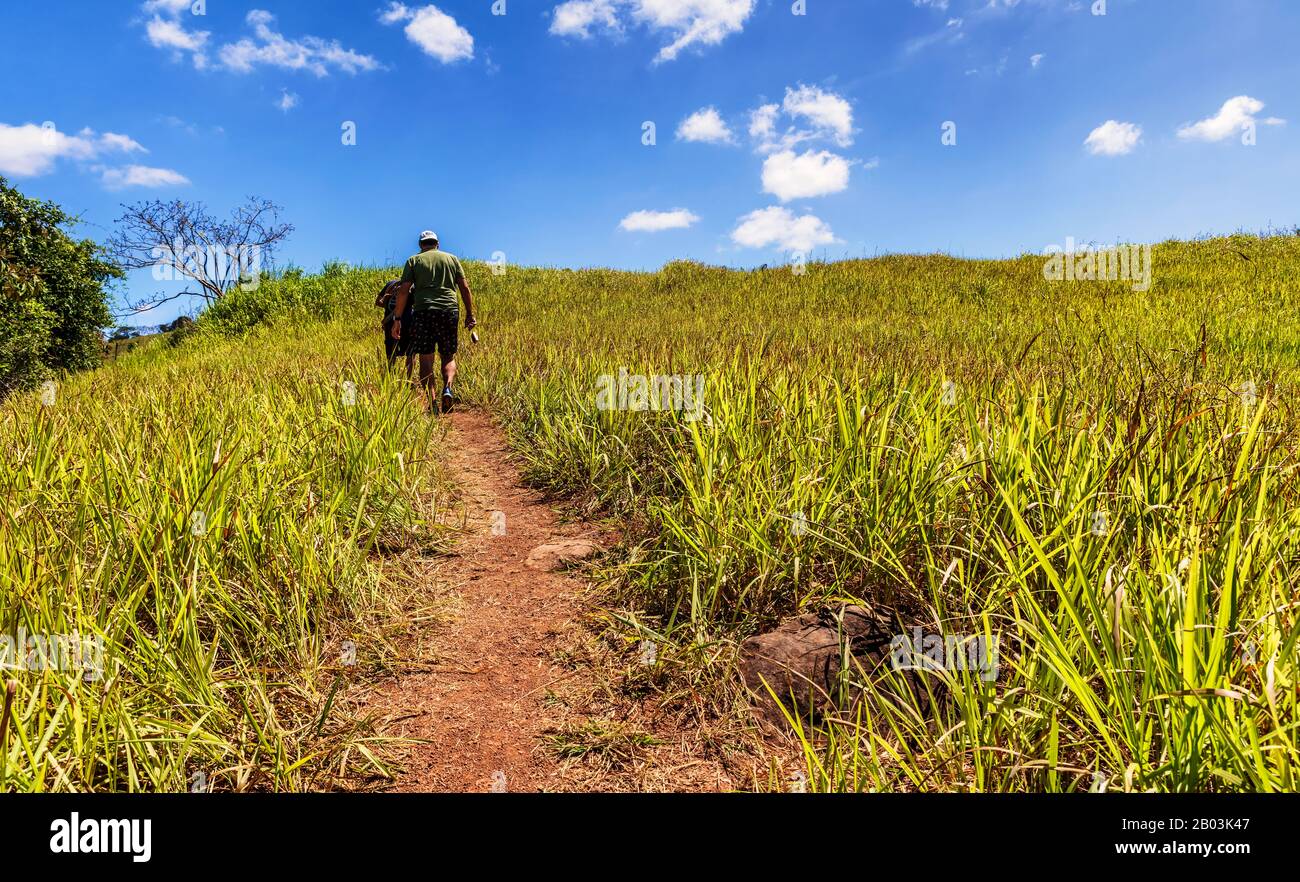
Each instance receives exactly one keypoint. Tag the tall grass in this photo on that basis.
(214, 514)
(1103, 479)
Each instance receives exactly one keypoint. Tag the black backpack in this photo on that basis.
(390, 305)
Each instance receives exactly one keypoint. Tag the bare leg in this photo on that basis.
(448, 372)
(426, 378)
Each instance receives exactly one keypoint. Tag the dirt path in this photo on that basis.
(479, 706)
(509, 688)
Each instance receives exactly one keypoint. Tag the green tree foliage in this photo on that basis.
(53, 298)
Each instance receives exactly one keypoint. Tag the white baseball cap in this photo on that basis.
(428, 236)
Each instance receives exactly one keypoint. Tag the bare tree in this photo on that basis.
(181, 240)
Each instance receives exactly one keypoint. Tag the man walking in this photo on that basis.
(430, 280)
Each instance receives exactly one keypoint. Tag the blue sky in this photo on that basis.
(523, 134)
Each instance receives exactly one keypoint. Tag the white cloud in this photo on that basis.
(271, 48)
(30, 150)
(1113, 138)
(658, 221)
(705, 126)
(140, 176)
(166, 30)
(433, 30)
(688, 22)
(706, 22)
(577, 18)
(816, 114)
(169, 33)
(1036, 59)
(1236, 115)
(288, 100)
(394, 13)
(762, 122)
(167, 7)
(787, 175)
(829, 113)
(110, 141)
(779, 227)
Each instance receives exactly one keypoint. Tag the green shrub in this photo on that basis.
(336, 292)
(53, 301)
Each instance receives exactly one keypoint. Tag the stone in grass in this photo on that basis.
(556, 555)
(802, 660)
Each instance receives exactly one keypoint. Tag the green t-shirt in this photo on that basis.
(434, 275)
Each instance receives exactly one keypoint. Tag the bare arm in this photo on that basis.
(468, 297)
(403, 297)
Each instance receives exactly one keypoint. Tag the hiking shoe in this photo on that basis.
(448, 400)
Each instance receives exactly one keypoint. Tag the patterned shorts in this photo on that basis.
(430, 331)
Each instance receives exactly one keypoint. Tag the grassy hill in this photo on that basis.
(1101, 478)
(213, 513)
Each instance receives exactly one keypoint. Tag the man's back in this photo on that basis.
(433, 275)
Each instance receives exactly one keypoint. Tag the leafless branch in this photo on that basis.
(182, 240)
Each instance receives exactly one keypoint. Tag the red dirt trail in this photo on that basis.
(483, 689)
(479, 708)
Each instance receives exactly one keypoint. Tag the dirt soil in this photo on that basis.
(514, 690)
